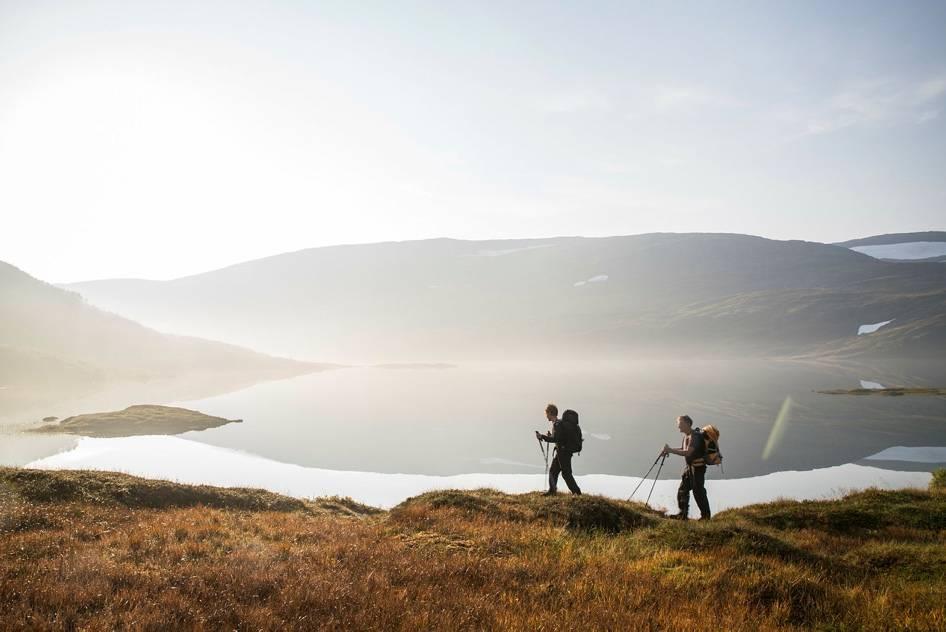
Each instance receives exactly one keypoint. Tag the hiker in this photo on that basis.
(566, 435)
(693, 450)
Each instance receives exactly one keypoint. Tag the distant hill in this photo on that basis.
(51, 339)
(446, 299)
(929, 246)
(894, 238)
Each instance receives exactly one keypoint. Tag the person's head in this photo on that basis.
(551, 412)
(570, 416)
(684, 424)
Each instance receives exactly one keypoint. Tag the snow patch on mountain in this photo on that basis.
(600, 278)
(907, 250)
(869, 329)
(924, 454)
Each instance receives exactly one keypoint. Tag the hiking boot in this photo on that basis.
(550, 492)
(678, 516)
(704, 518)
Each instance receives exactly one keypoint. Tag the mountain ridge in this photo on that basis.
(450, 299)
(52, 340)
(893, 238)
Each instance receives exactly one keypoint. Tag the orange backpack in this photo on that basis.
(711, 437)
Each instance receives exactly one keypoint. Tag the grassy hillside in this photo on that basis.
(454, 299)
(105, 551)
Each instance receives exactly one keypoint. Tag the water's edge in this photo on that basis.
(193, 462)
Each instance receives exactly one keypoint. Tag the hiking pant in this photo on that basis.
(562, 463)
(693, 480)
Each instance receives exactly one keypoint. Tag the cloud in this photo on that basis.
(876, 102)
(677, 98)
(931, 89)
(578, 101)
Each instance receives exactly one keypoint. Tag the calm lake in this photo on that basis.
(480, 418)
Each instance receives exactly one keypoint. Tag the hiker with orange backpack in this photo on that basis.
(699, 447)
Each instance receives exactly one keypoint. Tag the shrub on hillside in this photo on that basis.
(938, 482)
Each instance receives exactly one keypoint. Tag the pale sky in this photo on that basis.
(157, 140)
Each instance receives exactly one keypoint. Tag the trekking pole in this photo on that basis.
(655, 479)
(644, 477)
(545, 455)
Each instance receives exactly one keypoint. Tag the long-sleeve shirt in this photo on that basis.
(555, 436)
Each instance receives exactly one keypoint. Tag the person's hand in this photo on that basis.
(665, 451)
(537, 435)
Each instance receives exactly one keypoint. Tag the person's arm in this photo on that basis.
(552, 437)
(668, 450)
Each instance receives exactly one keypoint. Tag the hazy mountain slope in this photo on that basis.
(894, 238)
(793, 322)
(446, 299)
(50, 337)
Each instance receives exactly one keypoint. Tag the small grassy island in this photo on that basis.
(888, 392)
(145, 419)
(100, 551)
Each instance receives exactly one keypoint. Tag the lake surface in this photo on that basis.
(480, 418)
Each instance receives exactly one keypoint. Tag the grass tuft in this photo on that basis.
(862, 513)
(576, 513)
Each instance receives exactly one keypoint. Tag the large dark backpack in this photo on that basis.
(573, 440)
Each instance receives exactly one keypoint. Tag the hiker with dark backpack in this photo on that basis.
(566, 435)
(694, 452)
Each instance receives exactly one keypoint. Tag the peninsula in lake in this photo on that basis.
(136, 420)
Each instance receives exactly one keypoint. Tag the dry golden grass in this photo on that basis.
(222, 559)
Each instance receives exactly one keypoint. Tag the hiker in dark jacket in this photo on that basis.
(693, 450)
(565, 436)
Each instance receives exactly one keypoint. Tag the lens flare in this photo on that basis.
(778, 430)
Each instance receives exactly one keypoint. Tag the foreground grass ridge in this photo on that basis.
(103, 551)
